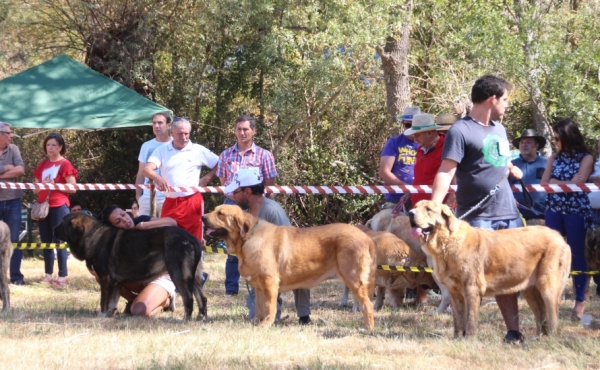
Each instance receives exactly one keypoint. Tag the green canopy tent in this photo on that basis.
(64, 94)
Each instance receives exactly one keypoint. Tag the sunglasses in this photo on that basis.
(407, 124)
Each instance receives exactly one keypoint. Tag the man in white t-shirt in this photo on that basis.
(161, 123)
(180, 163)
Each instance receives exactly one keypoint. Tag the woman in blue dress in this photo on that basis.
(570, 213)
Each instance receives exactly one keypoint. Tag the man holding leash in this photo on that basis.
(243, 154)
(247, 189)
(161, 123)
(476, 150)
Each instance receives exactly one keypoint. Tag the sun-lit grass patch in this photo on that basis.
(50, 328)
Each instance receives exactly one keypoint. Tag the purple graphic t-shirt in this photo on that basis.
(405, 152)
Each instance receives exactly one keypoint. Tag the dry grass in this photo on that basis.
(58, 329)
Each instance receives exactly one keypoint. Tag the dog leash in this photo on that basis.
(527, 198)
(491, 193)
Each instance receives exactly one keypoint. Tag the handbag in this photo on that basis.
(39, 211)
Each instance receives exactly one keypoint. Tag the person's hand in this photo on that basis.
(161, 184)
(516, 172)
(451, 199)
(8, 167)
(578, 179)
(203, 182)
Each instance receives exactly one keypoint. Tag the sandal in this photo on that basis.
(47, 279)
(61, 282)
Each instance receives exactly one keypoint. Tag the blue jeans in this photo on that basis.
(46, 226)
(10, 213)
(572, 226)
(232, 273)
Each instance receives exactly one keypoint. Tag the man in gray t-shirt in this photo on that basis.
(476, 150)
(11, 167)
(247, 189)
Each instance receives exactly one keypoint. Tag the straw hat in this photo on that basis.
(422, 123)
(446, 120)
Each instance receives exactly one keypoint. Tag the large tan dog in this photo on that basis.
(390, 251)
(276, 259)
(474, 263)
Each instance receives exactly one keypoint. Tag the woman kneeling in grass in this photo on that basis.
(143, 299)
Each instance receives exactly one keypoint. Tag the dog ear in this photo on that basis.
(451, 221)
(243, 224)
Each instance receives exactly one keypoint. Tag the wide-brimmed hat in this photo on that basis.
(532, 134)
(422, 123)
(445, 120)
(244, 177)
(409, 113)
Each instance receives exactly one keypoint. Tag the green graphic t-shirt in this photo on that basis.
(482, 153)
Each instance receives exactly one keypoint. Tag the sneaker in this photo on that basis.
(47, 279)
(17, 282)
(230, 293)
(205, 277)
(514, 337)
(61, 282)
(305, 320)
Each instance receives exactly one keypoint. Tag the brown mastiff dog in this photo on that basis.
(276, 259)
(390, 251)
(474, 263)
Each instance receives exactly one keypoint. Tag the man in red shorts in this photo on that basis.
(180, 164)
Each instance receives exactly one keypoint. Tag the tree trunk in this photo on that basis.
(394, 61)
(538, 108)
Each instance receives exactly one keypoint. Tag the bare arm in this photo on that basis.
(442, 180)
(70, 180)
(585, 169)
(139, 179)
(385, 171)
(211, 175)
(148, 172)
(11, 171)
(548, 171)
(156, 222)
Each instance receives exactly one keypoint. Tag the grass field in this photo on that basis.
(49, 328)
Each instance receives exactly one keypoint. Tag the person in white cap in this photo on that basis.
(247, 189)
(396, 165)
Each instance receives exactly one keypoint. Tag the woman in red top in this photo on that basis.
(54, 170)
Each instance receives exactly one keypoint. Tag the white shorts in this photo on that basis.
(144, 202)
(165, 282)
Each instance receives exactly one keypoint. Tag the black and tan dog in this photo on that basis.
(474, 263)
(276, 259)
(5, 253)
(122, 256)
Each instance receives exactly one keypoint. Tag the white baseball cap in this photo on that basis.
(244, 177)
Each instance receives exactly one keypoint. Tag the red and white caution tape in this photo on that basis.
(366, 189)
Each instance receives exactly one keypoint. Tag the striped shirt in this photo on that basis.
(232, 160)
